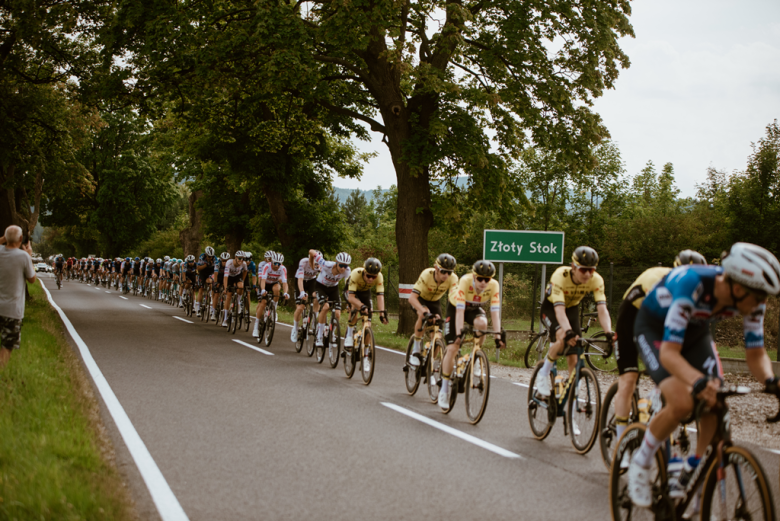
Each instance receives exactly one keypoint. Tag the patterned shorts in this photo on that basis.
(10, 332)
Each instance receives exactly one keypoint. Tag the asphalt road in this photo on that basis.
(239, 434)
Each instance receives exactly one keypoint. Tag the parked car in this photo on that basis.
(42, 266)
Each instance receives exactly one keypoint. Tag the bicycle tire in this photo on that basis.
(350, 357)
(320, 350)
(607, 429)
(534, 352)
(433, 374)
(370, 350)
(247, 311)
(334, 344)
(411, 373)
(270, 326)
(301, 333)
(587, 411)
(762, 504)
(235, 316)
(541, 419)
(311, 336)
(620, 504)
(594, 354)
(477, 386)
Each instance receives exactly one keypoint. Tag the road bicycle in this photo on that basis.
(641, 410)
(268, 320)
(363, 350)
(187, 300)
(576, 399)
(305, 331)
(733, 484)
(537, 347)
(472, 373)
(331, 343)
(235, 316)
(59, 282)
(430, 358)
(205, 302)
(246, 313)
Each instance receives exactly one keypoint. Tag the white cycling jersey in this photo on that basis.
(305, 271)
(269, 274)
(232, 270)
(326, 276)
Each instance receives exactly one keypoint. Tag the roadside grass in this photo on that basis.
(55, 458)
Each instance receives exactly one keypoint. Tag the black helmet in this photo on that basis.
(372, 266)
(446, 261)
(689, 257)
(585, 256)
(483, 268)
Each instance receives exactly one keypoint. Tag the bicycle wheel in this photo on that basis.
(350, 358)
(536, 349)
(584, 411)
(270, 326)
(368, 354)
(334, 344)
(301, 333)
(607, 429)
(596, 347)
(247, 309)
(433, 376)
(477, 386)
(744, 491)
(320, 350)
(620, 503)
(311, 335)
(412, 373)
(235, 316)
(541, 412)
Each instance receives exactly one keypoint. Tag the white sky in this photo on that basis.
(704, 83)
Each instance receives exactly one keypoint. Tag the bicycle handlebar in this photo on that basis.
(734, 390)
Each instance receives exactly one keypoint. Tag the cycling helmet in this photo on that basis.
(689, 257)
(585, 256)
(209, 251)
(190, 258)
(483, 268)
(224, 256)
(446, 261)
(344, 258)
(167, 258)
(248, 255)
(137, 259)
(277, 257)
(127, 259)
(159, 261)
(752, 266)
(240, 254)
(268, 254)
(372, 266)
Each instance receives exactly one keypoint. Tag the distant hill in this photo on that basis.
(343, 193)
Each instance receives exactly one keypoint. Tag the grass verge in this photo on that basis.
(56, 461)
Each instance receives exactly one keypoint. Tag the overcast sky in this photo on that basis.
(704, 83)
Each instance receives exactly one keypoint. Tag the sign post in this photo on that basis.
(524, 247)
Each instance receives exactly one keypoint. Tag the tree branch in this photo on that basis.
(375, 125)
(344, 63)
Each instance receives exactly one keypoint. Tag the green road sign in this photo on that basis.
(531, 247)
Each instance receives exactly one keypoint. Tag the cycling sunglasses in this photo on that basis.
(277, 263)
(343, 265)
(483, 279)
(445, 272)
(759, 295)
(370, 276)
(586, 270)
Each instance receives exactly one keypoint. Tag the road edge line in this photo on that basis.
(164, 499)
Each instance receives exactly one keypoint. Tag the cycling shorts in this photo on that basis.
(698, 349)
(433, 306)
(625, 350)
(309, 286)
(232, 280)
(547, 316)
(326, 293)
(470, 313)
(190, 276)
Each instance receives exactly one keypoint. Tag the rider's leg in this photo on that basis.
(626, 386)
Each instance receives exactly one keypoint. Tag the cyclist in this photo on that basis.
(305, 280)
(69, 267)
(260, 267)
(359, 286)
(625, 350)
(136, 271)
(560, 310)
(328, 286)
(673, 337)
(59, 265)
(431, 285)
(274, 274)
(189, 270)
(235, 271)
(205, 274)
(251, 268)
(465, 307)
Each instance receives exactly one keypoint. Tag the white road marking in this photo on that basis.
(183, 320)
(390, 350)
(449, 430)
(162, 495)
(97, 288)
(108, 292)
(120, 296)
(250, 346)
(144, 306)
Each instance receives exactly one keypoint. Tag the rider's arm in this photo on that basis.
(300, 284)
(459, 319)
(604, 319)
(563, 320)
(414, 301)
(380, 302)
(759, 363)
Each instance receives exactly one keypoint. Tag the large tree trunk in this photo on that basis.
(233, 242)
(190, 238)
(9, 203)
(279, 217)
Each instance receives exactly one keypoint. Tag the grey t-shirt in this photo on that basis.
(15, 266)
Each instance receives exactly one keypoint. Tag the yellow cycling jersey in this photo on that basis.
(643, 284)
(465, 294)
(562, 291)
(358, 283)
(427, 287)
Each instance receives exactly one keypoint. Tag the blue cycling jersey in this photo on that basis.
(686, 296)
(252, 267)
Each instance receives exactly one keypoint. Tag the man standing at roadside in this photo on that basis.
(15, 266)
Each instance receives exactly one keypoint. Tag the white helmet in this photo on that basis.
(209, 251)
(248, 255)
(268, 254)
(240, 254)
(190, 258)
(343, 258)
(224, 256)
(752, 266)
(166, 258)
(159, 261)
(277, 257)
